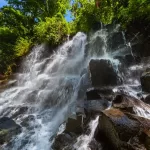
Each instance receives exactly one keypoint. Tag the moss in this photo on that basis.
(3, 136)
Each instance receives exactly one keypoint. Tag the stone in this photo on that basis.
(95, 46)
(74, 125)
(145, 81)
(103, 73)
(147, 99)
(64, 141)
(115, 41)
(119, 129)
(99, 93)
(2, 77)
(141, 49)
(85, 83)
(8, 129)
(129, 104)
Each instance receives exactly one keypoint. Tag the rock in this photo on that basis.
(115, 41)
(141, 49)
(92, 94)
(94, 145)
(99, 93)
(103, 73)
(130, 104)
(85, 83)
(64, 141)
(8, 128)
(96, 105)
(2, 77)
(147, 99)
(74, 125)
(119, 129)
(95, 46)
(145, 81)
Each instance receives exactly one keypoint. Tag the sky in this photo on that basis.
(67, 16)
(2, 3)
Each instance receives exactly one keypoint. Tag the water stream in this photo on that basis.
(45, 92)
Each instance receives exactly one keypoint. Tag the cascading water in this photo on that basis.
(47, 87)
(46, 90)
(84, 140)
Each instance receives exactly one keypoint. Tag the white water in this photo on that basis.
(47, 87)
(83, 141)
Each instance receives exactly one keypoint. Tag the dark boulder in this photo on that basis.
(8, 129)
(115, 41)
(141, 49)
(85, 83)
(147, 99)
(99, 93)
(2, 77)
(92, 106)
(103, 73)
(145, 81)
(74, 125)
(64, 141)
(95, 46)
(119, 129)
(130, 104)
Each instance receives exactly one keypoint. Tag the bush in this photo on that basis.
(22, 46)
(54, 30)
(7, 53)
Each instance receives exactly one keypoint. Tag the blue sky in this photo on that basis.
(2, 3)
(67, 16)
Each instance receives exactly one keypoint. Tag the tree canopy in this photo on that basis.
(24, 23)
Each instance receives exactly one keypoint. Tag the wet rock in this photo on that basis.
(85, 83)
(129, 104)
(74, 125)
(145, 81)
(103, 73)
(8, 128)
(99, 93)
(2, 77)
(26, 121)
(94, 145)
(141, 49)
(92, 94)
(95, 46)
(147, 99)
(96, 105)
(64, 141)
(119, 128)
(115, 41)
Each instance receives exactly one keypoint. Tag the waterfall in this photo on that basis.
(47, 87)
(45, 93)
(83, 141)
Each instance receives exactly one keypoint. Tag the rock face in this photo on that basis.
(103, 73)
(115, 40)
(124, 131)
(8, 128)
(130, 104)
(98, 99)
(99, 93)
(145, 81)
(74, 125)
(147, 99)
(64, 141)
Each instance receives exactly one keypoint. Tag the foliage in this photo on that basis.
(44, 21)
(121, 11)
(22, 46)
(7, 38)
(53, 30)
(23, 20)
